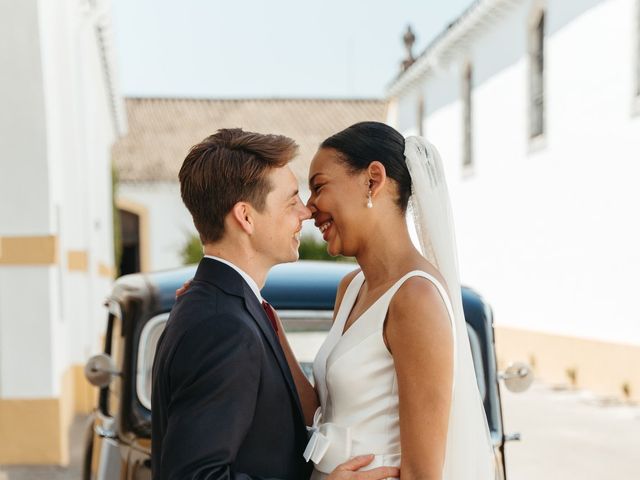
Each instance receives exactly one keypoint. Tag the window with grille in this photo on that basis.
(536, 81)
(467, 86)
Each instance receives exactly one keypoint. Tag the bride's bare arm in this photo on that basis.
(418, 334)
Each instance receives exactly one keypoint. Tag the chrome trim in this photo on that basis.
(104, 432)
(306, 320)
(141, 363)
(323, 314)
(513, 437)
(113, 306)
(496, 439)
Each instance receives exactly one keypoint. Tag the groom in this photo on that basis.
(224, 401)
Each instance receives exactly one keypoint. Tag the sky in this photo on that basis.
(269, 48)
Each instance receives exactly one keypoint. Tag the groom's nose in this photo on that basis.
(310, 206)
(306, 212)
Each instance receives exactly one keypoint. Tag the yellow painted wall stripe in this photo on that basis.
(78, 260)
(31, 431)
(85, 395)
(106, 271)
(36, 431)
(41, 250)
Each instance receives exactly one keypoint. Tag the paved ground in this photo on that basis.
(566, 435)
(571, 435)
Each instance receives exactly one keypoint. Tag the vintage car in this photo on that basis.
(118, 442)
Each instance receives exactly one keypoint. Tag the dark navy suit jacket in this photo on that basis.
(224, 404)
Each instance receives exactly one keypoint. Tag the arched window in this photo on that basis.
(536, 76)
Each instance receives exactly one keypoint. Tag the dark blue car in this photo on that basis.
(118, 443)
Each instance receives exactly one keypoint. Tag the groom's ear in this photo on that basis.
(242, 215)
(377, 176)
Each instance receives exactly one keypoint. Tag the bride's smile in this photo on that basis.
(325, 227)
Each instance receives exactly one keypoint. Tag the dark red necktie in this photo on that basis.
(268, 309)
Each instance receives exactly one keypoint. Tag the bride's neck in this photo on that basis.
(387, 255)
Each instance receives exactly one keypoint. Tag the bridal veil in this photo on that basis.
(469, 452)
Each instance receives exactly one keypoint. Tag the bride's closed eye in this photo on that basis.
(316, 188)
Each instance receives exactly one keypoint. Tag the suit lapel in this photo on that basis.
(259, 315)
(231, 282)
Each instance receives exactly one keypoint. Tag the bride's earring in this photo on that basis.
(369, 201)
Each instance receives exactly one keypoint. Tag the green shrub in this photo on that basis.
(192, 250)
(311, 249)
(117, 228)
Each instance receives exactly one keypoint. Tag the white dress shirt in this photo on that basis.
(250, 281)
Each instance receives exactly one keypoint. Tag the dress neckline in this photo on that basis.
(364, 312)
(354, 298)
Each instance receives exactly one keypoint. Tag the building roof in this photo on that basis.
(453, 38)
(162, 130)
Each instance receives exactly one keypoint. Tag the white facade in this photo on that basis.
(59, 117)
(547, 227)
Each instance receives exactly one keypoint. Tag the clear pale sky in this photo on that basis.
(269, 48)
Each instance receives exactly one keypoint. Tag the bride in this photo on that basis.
(395, 375)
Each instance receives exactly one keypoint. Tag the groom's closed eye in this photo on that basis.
(293, 198)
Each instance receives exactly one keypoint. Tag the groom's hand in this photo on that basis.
(348, 470)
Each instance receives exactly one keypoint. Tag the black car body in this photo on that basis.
(118, 444)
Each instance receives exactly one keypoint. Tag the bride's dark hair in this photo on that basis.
(364, 142)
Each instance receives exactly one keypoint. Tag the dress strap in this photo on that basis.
(386, 300)
(348, 299)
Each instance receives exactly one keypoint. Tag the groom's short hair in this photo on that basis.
(228, 167)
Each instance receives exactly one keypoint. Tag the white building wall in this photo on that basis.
(24, 209)
(58, 120)
(547, 234)
(24, 117)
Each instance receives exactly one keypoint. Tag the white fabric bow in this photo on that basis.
(318, 443)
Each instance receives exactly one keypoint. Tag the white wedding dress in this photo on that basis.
(355, 374)
(357, 386)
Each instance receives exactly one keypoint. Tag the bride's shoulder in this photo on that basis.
(346, 280)
(418, 300)
(417, 319)
(416, 291)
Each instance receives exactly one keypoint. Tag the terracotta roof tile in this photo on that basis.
(161, 130)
